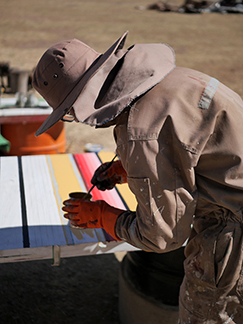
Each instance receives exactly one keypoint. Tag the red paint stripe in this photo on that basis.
(87, 164)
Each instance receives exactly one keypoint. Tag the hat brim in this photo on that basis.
(61, 110)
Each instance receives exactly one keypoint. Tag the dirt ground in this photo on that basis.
(85, 290)
(80, 290)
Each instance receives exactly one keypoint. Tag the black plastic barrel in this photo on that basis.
(155, 276)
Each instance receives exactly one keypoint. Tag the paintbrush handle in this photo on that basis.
(90, 190)
(107, 167)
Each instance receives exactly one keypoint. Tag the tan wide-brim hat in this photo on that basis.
(62, 73)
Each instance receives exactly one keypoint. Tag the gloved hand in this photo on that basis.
(107, 179)
(92, 214)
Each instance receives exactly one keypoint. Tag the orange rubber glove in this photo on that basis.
(107, 179)
(92, 214)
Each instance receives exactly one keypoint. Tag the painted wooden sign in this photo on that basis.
(32, 190)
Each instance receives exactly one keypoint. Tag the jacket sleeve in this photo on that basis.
(161, 176)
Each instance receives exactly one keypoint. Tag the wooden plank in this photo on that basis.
(65, 179)
(11, 216)
(43, 217)
(123, 190)
(95, 248)
(65, 251)
(27, 254)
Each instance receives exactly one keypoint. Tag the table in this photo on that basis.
(32, 226)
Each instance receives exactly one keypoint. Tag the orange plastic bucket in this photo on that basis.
(23, 140)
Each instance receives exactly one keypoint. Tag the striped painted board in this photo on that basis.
(32, 226)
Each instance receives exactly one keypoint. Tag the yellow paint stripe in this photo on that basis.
(123, 189)
(106, 156)
(64, 175)
(57, 198)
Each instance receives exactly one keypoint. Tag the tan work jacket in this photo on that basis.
(179, 136)
(182, 147)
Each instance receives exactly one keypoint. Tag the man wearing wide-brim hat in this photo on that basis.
(179, 139)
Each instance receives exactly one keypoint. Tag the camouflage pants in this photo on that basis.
(212, 289)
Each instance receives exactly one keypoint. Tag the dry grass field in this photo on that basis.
(212, 43)
(209, 42)
(85, 290)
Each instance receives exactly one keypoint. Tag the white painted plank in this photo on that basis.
(44, 222)
(10, 214)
